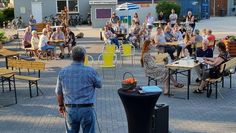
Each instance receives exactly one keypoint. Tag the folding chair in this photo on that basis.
(127, 50)
(108, 61)
(88, 59)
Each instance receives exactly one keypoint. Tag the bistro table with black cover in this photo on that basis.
(139, 109)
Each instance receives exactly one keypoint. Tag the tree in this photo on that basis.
(166, 7)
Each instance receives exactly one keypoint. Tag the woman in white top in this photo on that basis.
(35, 42)
(43, 42)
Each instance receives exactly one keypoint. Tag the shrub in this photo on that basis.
(8, 14)
(2, 36)
(166, 7)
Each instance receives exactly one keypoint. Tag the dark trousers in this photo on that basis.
(168, 49)
(179, 49)
(190, 50)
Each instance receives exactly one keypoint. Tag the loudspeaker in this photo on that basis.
(160, 119)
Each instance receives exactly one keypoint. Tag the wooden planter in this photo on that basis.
(231, 47)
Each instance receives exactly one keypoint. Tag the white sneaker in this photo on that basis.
(117, 51)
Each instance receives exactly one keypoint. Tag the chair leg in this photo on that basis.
(30, 89)
(2, 84)
(156, 82)
(9, 83)
(223, 81)
(37, 88)
(230, 80)
(148, 81)
(216, 89)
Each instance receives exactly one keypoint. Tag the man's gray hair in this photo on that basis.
(78, 53)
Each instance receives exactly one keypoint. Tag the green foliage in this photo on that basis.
(166, 7)
(2, 36)
(8, 14)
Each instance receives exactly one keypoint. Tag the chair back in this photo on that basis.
(12, 63)
(36, 65)
(87, 59)
(230, 64)
(108, 59)
(25, 64)
(198, 44)
(109, 48)
(212, 43)
(127, 49)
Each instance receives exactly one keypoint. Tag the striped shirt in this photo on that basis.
(77, 84)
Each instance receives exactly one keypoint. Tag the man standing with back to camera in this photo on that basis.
(75, 92)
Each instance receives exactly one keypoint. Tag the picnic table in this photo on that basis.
(184, 64)
(160, 23)
(8, 53)
(174, 43)
(4, 71)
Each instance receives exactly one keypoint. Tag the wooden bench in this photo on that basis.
(29, 65)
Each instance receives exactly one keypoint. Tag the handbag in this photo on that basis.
(128, 83)
(214, 72)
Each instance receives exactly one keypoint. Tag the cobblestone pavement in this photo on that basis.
(39, 114)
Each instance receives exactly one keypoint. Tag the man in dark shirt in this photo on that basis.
(204, 51)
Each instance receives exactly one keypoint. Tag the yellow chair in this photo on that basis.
(128, 50)
(110, 48)
(107, 60)
(88, 58)
(212, 43)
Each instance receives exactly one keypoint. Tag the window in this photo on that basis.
(103, 13)
(72, 5)
(235, 2)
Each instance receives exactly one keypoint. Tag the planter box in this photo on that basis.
(231, 48)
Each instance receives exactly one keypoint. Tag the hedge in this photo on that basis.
(166, 7)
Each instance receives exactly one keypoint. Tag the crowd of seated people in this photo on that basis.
(48, 40)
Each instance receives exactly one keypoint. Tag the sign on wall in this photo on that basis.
(103, 13)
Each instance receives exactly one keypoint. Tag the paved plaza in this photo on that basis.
(199, 114)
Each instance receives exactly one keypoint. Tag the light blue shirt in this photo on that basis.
(77, 84)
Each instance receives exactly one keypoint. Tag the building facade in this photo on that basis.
(43, 8)
(223, 7)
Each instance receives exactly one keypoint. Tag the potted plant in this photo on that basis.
(2, 38)
(230, 42)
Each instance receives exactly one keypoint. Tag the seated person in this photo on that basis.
(26, 41)
(49, 30)
(35, 42)
(210, 37)
(59, 35)
(143, 34)
(134, 34)
(111, 37)
(189, 40)
(168, 34)
(214, 62)
(43, 42)
(70, 40)
(156, 70)
(198, 37)
(120, 30)
(178, 36)
(160, 41)
(204, 51)
(161, 16)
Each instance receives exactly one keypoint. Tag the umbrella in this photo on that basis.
(127, 7)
